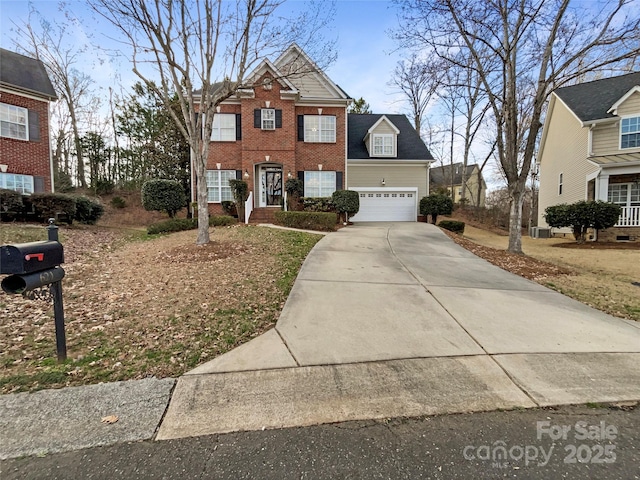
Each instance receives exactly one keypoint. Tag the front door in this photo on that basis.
(270, 186)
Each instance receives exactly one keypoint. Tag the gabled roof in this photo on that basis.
(383, 118)
(441, 175)
(593, 100)
(267, 66)
(25, 74)
(410, 145)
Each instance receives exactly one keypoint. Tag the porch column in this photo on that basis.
(602, 187)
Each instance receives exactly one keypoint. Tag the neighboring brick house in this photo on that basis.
(590, 150)
(295, 125)
(286, 126)
(25, 93)
(449, 176)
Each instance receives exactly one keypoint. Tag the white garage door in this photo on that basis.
(386, 206)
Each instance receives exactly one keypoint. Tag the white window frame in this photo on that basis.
(268, 118)
(318, 184)
(218, 189)
(387, 146)
(19, 183)
(320, 128)
(16, 117)
(630, 132)
(560, 183)
(221, 132)
(628, 201)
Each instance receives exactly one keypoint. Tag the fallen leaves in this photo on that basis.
(110, 420)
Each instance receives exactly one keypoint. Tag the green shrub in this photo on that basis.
(295, 190)
(453, 226)
(347, 202)
(52, 205)
(104, 186)
(318, 204)
(229, 208)
(307, 220)
(240, 192)
(222, 220)
(10, 201)
(88, 211)
(436, 204)
(118, 202)
(163, 196)
(173, 225)
(583, 215)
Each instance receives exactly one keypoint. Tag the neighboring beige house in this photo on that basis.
(451, 175)
(590, 149)
(388, 165)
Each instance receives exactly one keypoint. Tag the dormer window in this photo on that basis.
(383, 145)
(630, 132)
(268, 119)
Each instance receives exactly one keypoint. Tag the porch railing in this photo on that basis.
(629, 217)
(248, 207)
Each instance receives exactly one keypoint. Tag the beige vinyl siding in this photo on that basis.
(471, 190)
(565, 151)
(606, 138)
(394, 176)
(310, 86)
(383, 128)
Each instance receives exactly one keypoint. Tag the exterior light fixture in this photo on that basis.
(289, 174)
(246, 174)
(382, 182)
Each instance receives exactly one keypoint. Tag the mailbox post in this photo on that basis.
(34, 271)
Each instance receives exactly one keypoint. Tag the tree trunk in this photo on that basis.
(516, 199)
(201, 196)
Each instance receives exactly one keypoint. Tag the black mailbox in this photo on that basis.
(23, 258)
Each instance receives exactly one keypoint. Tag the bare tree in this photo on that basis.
(522, 51)
(202, 51)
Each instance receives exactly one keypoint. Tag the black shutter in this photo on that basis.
(238, 127)
(238, 174)
(34, 126)
(301, 128)
(301, 177)
(278, 118)
(339, 180)
(257, 118)
(38, 184)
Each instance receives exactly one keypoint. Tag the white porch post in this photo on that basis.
(602, 187)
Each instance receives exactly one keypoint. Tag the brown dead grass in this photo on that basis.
(601, 278)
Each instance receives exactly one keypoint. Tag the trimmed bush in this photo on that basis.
(118, 202)
(172, 225)
(10, 201)
(87, 210)
(347, 202)
(583, 215)
(318, 204)
(436, 204)
(240, 192)
(163, 196)
(222, 220)
(324, 221)
(51, 205)
(453, 226)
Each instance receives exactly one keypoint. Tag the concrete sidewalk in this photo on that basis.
(384, 320)
(389, 320)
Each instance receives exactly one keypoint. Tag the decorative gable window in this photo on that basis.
(320, 128)
(224, 127)
(383, 145)
(268, 119)
(630, 132)
(218, 188)
(13, 122)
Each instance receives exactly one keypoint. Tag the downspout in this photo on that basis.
(53, 189)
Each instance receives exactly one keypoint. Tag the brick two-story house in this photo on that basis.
(287, 125)
(590, 150)
(25, 154)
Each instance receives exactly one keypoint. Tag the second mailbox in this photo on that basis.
(22, 258)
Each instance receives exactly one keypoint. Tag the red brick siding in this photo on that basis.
(28, 158)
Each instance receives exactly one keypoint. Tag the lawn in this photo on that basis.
(601, 278)
(137, 306)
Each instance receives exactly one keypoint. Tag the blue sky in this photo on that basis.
(366, 54)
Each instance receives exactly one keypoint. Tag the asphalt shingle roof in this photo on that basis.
(591, 100)
(410, 145)
(26, 74)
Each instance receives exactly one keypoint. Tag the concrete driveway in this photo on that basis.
(395, 319)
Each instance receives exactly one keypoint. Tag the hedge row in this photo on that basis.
(453, 226)
(180, 224)
(42, 206)
(307, 220)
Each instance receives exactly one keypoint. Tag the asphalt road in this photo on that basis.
(566, 442)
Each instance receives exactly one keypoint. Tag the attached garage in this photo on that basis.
(386, 205)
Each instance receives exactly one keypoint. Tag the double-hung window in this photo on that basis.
(19, 183)
(383, 145)
(320, 128)
(319, 184)
(218, 189)
(224, 127)
(630, 132)
(14, 122)
(268, 119)
(624, 194)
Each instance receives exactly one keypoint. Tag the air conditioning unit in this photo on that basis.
(539, 232)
